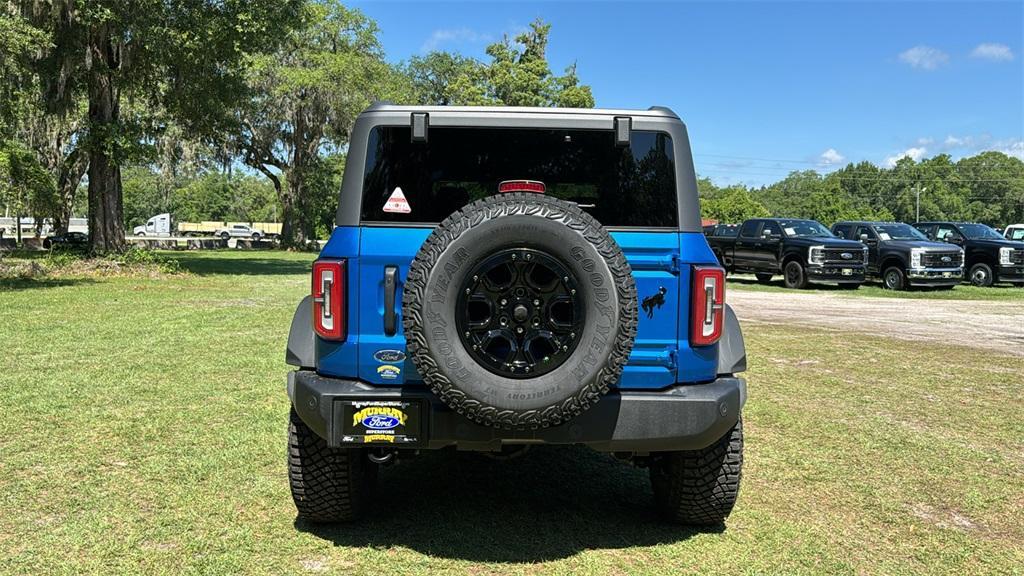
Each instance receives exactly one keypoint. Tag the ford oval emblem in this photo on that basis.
(380, 422)
(847, 256)
(389, 356)
(947, 259)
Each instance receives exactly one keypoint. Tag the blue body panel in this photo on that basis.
(661, 354)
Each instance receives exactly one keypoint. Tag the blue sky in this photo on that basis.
(767, 87)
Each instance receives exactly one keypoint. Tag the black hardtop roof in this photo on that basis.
(653, 111)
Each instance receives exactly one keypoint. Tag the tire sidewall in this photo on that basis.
(494, 399)
(987, 280)
(799, 283)
(898, 279)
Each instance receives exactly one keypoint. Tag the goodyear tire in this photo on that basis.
(699, 487)
(515, 386)
(328, 484)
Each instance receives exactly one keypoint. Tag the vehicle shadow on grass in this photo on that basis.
(551, 503)
(249, 266)
(15, 284)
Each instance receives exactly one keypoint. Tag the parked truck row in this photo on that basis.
(934, 254)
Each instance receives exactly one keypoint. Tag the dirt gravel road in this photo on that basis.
(980, 324)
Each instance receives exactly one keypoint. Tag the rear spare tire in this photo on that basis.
(520, 311)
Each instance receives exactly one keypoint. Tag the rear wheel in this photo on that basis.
(699, 487)
(981, 275)
(225, 235)
(328, 484)
(794, 275)
(894, 278)
(255, 237)
(764, 278)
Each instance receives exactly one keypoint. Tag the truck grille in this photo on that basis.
(935, 259)
(835, 256)
(1017, 257)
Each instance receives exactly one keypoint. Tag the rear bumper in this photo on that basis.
(685, 417)
(935, 276)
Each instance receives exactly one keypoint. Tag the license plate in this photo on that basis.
(847, 271)
(947, 274)
(385, 422)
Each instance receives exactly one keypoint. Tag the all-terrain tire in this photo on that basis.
(699, 487)
(477, 232)
(328, 484)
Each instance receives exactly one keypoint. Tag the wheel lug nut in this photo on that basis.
(536, 302)
(529, 256)
(475, 278)
(572, 334)
(468, 290)
(467, 334)
(564, 348)
(504, 301)
(573, 291)
(519, 330)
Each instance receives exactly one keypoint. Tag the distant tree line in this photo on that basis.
(987, 187)
(243, 111)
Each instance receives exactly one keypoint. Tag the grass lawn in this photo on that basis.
(143, 431)
(1005, 292)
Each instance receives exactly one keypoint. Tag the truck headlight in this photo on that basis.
(915, 257)
(1004, 256)
(816, 255)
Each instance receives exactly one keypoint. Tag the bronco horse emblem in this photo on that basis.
(651, 302)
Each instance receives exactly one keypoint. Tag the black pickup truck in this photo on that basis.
(901, 256)
(803, 251)
(989, 258)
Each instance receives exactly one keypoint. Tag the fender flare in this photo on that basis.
(301, 349)
(732, 353)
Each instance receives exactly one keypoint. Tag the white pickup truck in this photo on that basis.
(1014, 232)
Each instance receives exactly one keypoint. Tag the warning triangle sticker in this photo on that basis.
(397, 203)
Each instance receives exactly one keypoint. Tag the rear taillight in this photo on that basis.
(329, 299)
(708, 305)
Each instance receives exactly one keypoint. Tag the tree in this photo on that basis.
(518, 74)
(307, 96)
(25, 185)
(444, 79)
(733, 204)
(181, 57)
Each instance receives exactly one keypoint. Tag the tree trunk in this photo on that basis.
(71, 172)
(106, 211)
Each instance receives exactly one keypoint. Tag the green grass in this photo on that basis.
(1005, 292)
(143, 431)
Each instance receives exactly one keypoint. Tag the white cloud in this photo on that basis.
(1013, 148)
(445, 36)
(992, 51)
(915, 153)
(924, 57)
(830, 157)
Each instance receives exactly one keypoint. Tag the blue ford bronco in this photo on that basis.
(504, 277)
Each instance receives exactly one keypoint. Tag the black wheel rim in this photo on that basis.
(519, 314)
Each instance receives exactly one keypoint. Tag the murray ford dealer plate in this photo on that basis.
(395, 422)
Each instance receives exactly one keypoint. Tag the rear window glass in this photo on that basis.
(728, 231)
(620, 186)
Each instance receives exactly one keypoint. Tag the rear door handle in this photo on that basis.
(390, 287)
